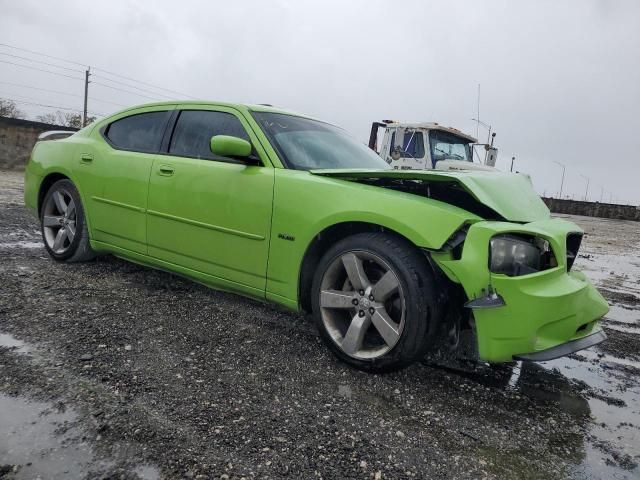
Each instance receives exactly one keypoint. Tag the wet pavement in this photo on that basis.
(111, 370)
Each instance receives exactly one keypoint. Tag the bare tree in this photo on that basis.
(65, 119)
(50, 117)
(9, 109)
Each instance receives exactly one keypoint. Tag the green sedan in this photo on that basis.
(284, 208)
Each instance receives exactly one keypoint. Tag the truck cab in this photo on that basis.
(427, 146)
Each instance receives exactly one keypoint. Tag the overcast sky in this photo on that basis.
(560, 80)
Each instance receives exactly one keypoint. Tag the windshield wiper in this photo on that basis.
(453, 156)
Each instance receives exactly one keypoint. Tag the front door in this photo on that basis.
(114, 170)
(207, 213)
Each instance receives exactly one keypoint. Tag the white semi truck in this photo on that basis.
(426, 146)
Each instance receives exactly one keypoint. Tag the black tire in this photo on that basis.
(79, 248)
(416, 279)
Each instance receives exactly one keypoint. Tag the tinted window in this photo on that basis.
(194, 129)
(142, 132)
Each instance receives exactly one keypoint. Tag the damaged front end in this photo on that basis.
(525, 300)
(511, 286)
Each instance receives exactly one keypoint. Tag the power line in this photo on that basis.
(62, 93)
(125, 91)
(59, 107)
(38, 88)
(143, 83)
(131, 86)
(41, 62)
(41, 54)
(40, 70)
(96, 68)
(26, 97)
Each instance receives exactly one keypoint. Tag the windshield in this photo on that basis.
(305, 144)
(447, 146)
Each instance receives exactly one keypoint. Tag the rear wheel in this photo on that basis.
(64, 229)
(373, 301)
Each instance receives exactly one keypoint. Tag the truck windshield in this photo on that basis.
(447, 146)
(305, 144)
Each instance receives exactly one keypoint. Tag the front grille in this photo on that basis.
(573, 245)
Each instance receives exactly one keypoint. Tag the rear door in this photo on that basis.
(114, 172)
(207, 213)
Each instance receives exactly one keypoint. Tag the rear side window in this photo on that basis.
(194, 129)
(142, 132)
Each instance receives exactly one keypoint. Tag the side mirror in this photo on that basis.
(228, 146)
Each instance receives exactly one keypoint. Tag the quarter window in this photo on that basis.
(194, 129)
(141, 132)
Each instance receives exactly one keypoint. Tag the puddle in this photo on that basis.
(41, 441)
(621, 314)
(597, 391)
(622, 328)
(12, 343)
(22, 244)
(608, 414)
(604, 359)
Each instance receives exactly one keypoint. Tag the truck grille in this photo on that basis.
(573, 245)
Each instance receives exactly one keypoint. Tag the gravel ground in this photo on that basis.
(112, 370)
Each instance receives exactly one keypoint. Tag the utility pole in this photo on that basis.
(586, 192)
(601, 193)
(513, 159)
(86, 96)
(561, 181)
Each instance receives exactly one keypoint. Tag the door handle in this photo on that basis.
(86, 158)
(166, 170)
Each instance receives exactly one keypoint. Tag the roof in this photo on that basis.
(238, 106)
(433, 126)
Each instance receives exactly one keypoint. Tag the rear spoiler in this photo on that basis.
(55, 135)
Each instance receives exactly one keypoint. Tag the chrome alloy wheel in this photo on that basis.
(362, 304)
(59, 221)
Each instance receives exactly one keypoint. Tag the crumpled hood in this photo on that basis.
(510, 195)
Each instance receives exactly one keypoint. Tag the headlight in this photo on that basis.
(513, 256)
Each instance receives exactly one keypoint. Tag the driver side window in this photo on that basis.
(194, 129)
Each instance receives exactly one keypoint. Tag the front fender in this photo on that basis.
(306, 205)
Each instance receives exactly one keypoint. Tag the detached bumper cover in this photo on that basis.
(540, 312)
(564, 349)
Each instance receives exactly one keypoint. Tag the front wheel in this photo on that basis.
(62, 220)
(373, 300)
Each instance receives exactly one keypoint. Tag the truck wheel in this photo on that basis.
(62, 220)
(373, 299)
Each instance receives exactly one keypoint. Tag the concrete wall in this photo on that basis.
(17, 138)
(593, 209)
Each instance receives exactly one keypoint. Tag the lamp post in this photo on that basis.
(564, 167)
(513, 159)
(488, 127)
(586, 192)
